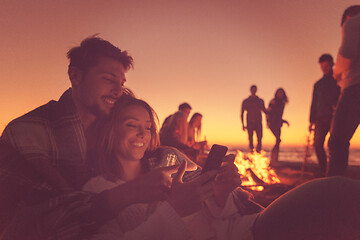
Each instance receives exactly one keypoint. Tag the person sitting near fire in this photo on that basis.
(275, 121)
(194, 133)
(161, 207)
(183, 107)
(175, 134)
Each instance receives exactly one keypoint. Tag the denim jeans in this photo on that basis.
(345, 122)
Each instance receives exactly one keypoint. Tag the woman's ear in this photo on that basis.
(75, 75)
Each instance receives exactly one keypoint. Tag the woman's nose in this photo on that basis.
(141, 132)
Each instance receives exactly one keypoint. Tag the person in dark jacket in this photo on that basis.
(325, 96)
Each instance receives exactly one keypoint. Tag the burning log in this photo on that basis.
(255, 170)
(257, 180)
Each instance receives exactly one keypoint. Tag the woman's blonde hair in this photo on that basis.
(191, 123)
(106, 162)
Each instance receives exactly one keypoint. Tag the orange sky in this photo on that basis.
(207, 53)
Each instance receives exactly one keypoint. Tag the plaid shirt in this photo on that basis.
(40, 188)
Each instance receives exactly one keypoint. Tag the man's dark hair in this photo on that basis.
(326, 58)
(91, 49)
(184, 106)
(350, 11)
(253, 86)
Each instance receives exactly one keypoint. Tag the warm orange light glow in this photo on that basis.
(205, 54)
(255, 165)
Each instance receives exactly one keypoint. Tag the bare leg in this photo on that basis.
(327, 208)
(275, 151)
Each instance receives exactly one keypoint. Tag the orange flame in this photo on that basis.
(255, 170)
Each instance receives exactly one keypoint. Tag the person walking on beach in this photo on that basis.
(325, 95)
(275, 121)
(347, 73)
(253, 105)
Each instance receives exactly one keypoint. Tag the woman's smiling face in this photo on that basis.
(133, 133)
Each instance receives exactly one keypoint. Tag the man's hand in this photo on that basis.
(187, 198)
(244, 128)
(311, 127)
(226, 180)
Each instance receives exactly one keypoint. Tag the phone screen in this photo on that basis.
(215, 157)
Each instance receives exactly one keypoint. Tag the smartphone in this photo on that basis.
(215, 157)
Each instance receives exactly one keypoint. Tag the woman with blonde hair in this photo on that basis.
(194, 134)
(160, 196)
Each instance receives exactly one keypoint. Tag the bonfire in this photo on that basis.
(255, 170)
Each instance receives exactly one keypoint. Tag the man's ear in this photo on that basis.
(75, 75)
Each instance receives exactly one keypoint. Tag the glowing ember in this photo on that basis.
(255, 170)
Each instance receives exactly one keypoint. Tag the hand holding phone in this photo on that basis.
(215, 157)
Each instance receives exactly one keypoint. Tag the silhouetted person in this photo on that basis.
(183, 107)
(253, 105)
(174, 130)
(194, 129)
(347, 73)
(275, 121)
(175, 134)
(325, 95)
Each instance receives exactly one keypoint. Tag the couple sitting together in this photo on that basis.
(89, 166)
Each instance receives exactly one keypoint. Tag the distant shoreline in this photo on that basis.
(296, 154)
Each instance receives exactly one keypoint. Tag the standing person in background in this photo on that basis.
(253, 105)
(275, 121)
(347, 73)
(325, 96)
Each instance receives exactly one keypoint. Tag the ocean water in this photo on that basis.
(297, 154)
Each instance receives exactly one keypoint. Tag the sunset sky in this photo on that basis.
(204, 52)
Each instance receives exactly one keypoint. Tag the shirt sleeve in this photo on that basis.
(313, 106)
(350, 38)
(263, 106)
(31, 209)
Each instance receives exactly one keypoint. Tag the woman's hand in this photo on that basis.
(226, 180)
(187, 198)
